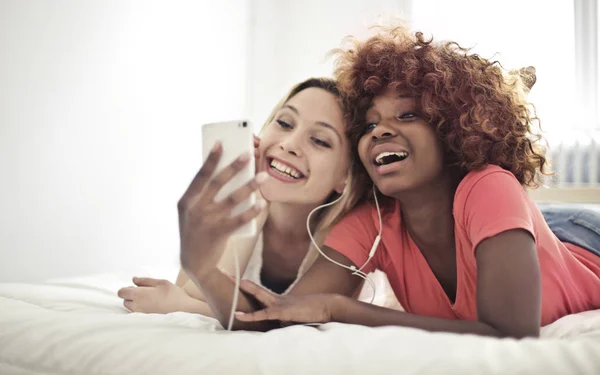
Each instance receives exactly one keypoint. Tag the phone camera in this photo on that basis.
(244, 124)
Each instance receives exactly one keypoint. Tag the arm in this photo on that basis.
(346, 310)
(508, 295)
(160, 296)
(494, 210)
(195, 306)
(204, 226)
(181, 279)
(215, 289)
(244, 247)
(204, 229)
(354, 233)
(322, 277)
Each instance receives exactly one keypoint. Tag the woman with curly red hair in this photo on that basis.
(447, 139)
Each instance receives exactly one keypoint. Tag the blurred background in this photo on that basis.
(101, 104)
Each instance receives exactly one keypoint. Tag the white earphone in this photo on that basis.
(374, 247)
(354, 270)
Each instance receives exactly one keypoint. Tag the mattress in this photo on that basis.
(79, 326)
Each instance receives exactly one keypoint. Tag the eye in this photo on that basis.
(284, 124)
(369, 127)
(407, 116)
(321, 143)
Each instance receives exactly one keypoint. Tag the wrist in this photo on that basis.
(196, 306)
(336, 306)
(203, 275)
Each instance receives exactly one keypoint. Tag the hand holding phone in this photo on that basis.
(220, 200)
(236, 137)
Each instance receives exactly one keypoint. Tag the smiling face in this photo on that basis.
(305, 150)
(399, 149)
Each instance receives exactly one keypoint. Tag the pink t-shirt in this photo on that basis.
(487, 202)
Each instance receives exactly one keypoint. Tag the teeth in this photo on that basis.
(285, 169)
(384, 154)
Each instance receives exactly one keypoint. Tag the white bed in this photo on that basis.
(78, 326)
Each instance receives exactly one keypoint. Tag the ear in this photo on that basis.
(341, 186)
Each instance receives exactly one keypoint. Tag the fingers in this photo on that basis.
(223, 177)
(256, 142)
(240, 194)
(257, 316)
(203, 175)
(231, 224)
(270, 313)
(134, 292)
(147, 281)
(129, 305)
(263, 296)
(127, 293)
(134, 297)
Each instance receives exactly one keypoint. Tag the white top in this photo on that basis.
(384, 295)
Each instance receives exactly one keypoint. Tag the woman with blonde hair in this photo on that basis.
(303, 161)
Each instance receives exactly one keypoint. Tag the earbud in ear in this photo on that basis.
(346, 186)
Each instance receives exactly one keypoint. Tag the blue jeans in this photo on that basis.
(574, 224)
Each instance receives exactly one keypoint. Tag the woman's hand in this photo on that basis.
(153, 296)
(312, 308)
(205, 225)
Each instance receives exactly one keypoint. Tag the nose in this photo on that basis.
(382, 130)
(291, 144)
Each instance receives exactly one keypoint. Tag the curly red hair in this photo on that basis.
(480, 113)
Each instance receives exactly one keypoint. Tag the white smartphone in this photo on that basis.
(236, 137)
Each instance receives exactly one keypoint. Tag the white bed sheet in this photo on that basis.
(78, 326)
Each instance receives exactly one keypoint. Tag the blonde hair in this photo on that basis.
(327, 217)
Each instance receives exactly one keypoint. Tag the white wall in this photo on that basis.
(290, 41)
(101, 103)
(100, 107)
